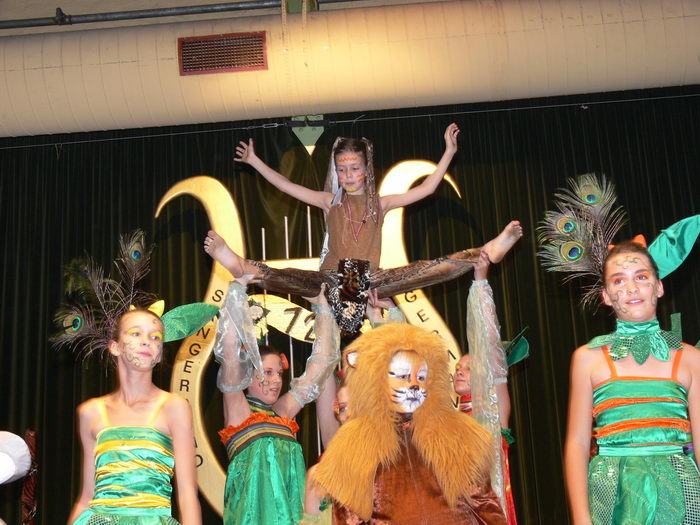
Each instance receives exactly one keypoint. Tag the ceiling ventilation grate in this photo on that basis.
(222, 53)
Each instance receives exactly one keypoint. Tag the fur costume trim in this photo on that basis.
(452, 444)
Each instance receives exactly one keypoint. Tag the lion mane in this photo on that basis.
(456, 448)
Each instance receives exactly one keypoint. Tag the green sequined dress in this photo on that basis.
(266, 473)
(643, 473)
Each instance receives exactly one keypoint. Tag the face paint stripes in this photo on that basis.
(407, 377)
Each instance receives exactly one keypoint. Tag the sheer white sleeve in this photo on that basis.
(395, 315)
(488, 368)
(324, 357)
(236, 348)
(490, 330)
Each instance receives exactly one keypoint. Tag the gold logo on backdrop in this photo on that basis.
(292, 319)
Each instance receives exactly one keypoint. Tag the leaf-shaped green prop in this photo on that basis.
(187, 319)
(517, 349)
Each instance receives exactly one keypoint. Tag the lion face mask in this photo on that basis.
(408, 375)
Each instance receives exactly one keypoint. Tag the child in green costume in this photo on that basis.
(637, 386)
(265, 478)
(640, 385)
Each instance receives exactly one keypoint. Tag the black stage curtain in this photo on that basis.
(63, 196)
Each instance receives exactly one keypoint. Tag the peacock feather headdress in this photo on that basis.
(96, 301)
(574, 238)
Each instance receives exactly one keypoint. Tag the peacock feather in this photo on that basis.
(75, 276)
(133, 264)
(79, 329)
(97, 300)
(574, 237)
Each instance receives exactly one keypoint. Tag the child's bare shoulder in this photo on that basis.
(310, 472)
(589, 363)
(177, 407)
(584, 355)
(89, 408)
(691, 354)
(175, 399)
(89, 417)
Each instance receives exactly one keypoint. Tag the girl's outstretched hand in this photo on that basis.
(374, 300)
(481, 267)
(375, 305)
(320, 298)
(245, 152)
(451, 137)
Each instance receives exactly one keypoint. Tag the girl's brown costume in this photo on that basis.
(431, 468)
(351, 254)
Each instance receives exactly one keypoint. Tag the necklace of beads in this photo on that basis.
(353, 222)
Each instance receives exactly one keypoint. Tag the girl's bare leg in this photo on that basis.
(283, 280)
(420, 274)
(216, 246)
(497, 247)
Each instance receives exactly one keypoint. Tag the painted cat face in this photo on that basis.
(408, 374)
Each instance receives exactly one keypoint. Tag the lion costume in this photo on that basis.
(429, 467)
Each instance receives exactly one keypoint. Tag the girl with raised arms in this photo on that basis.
(265, 476)
(354, 216)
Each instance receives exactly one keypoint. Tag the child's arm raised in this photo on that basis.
(432, 181)
(324, 357)
(578, 434)
(246, 153)
(496, 356)
(327, 423)
(236, 370)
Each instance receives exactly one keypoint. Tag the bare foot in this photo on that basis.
(498, 247)
(216, 246)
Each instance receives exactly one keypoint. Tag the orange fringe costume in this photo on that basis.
(433, 469)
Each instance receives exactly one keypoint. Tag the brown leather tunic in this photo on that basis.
(351, 214)
(408, 494)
